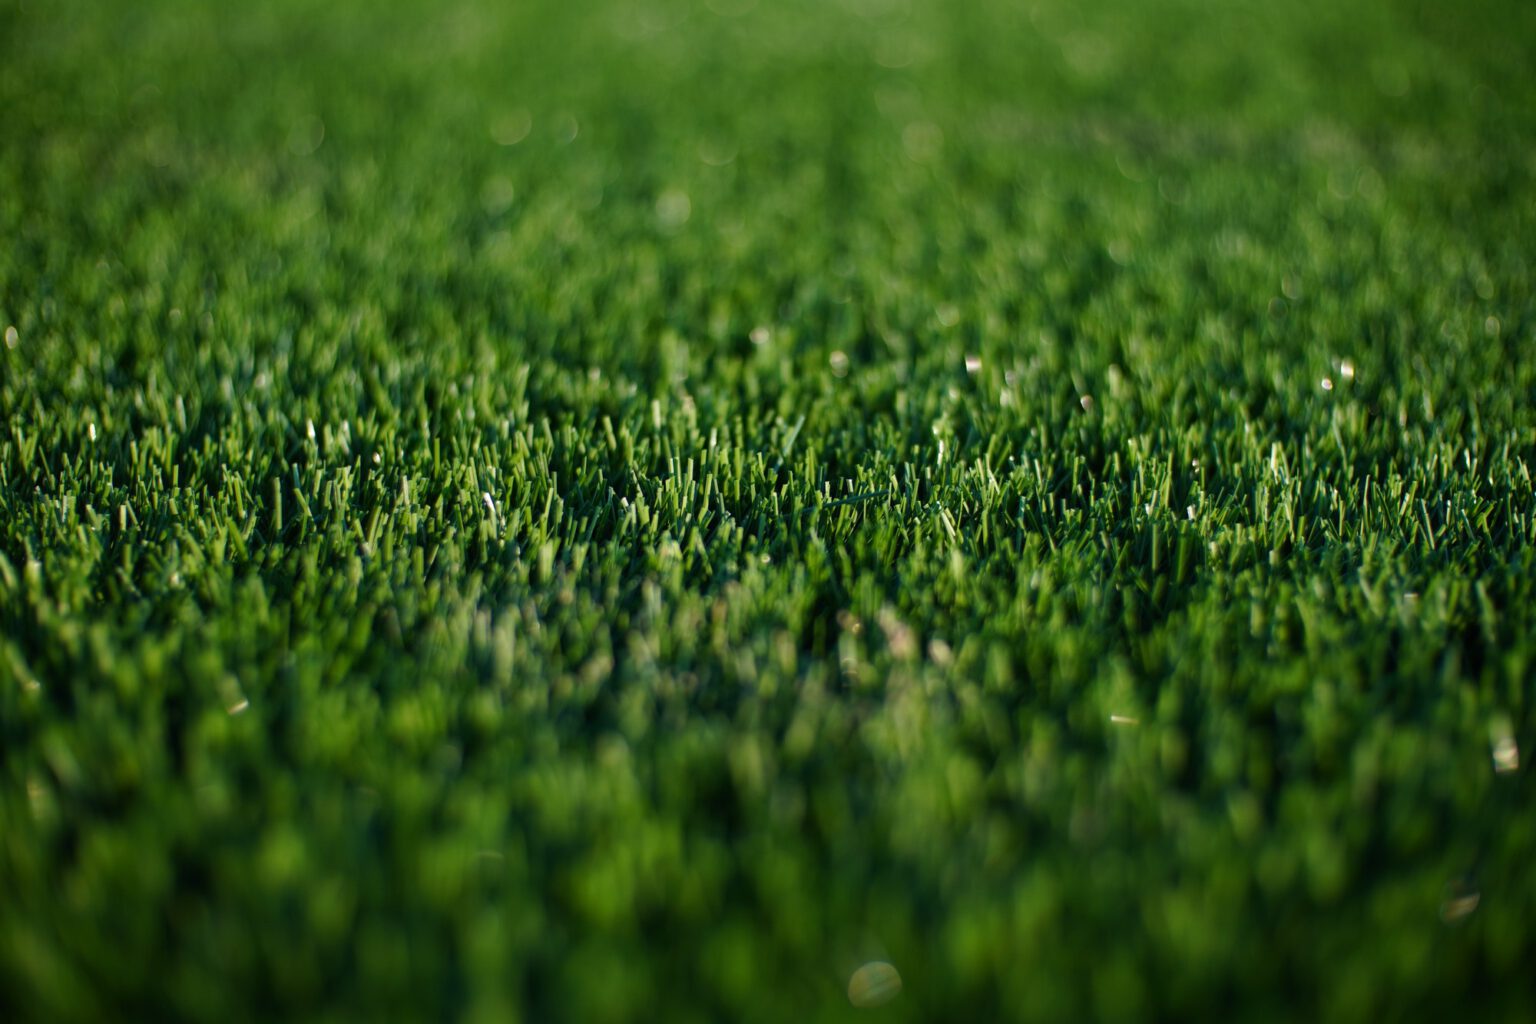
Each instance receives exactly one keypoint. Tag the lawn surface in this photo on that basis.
(630, 510)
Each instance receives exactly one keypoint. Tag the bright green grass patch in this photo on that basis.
(628, 511)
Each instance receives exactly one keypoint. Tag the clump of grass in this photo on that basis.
(623, 512)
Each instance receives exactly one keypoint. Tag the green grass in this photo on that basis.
(627, 511)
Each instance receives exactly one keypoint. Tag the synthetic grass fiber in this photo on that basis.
(630, 511)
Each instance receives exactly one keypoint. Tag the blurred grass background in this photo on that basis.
(627, 511)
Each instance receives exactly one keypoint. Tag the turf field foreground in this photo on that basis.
(648, 510)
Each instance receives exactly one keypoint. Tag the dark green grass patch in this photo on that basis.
(628, 511)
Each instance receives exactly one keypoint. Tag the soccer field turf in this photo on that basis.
(632, 510)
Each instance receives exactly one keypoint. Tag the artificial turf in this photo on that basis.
(628, 511)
